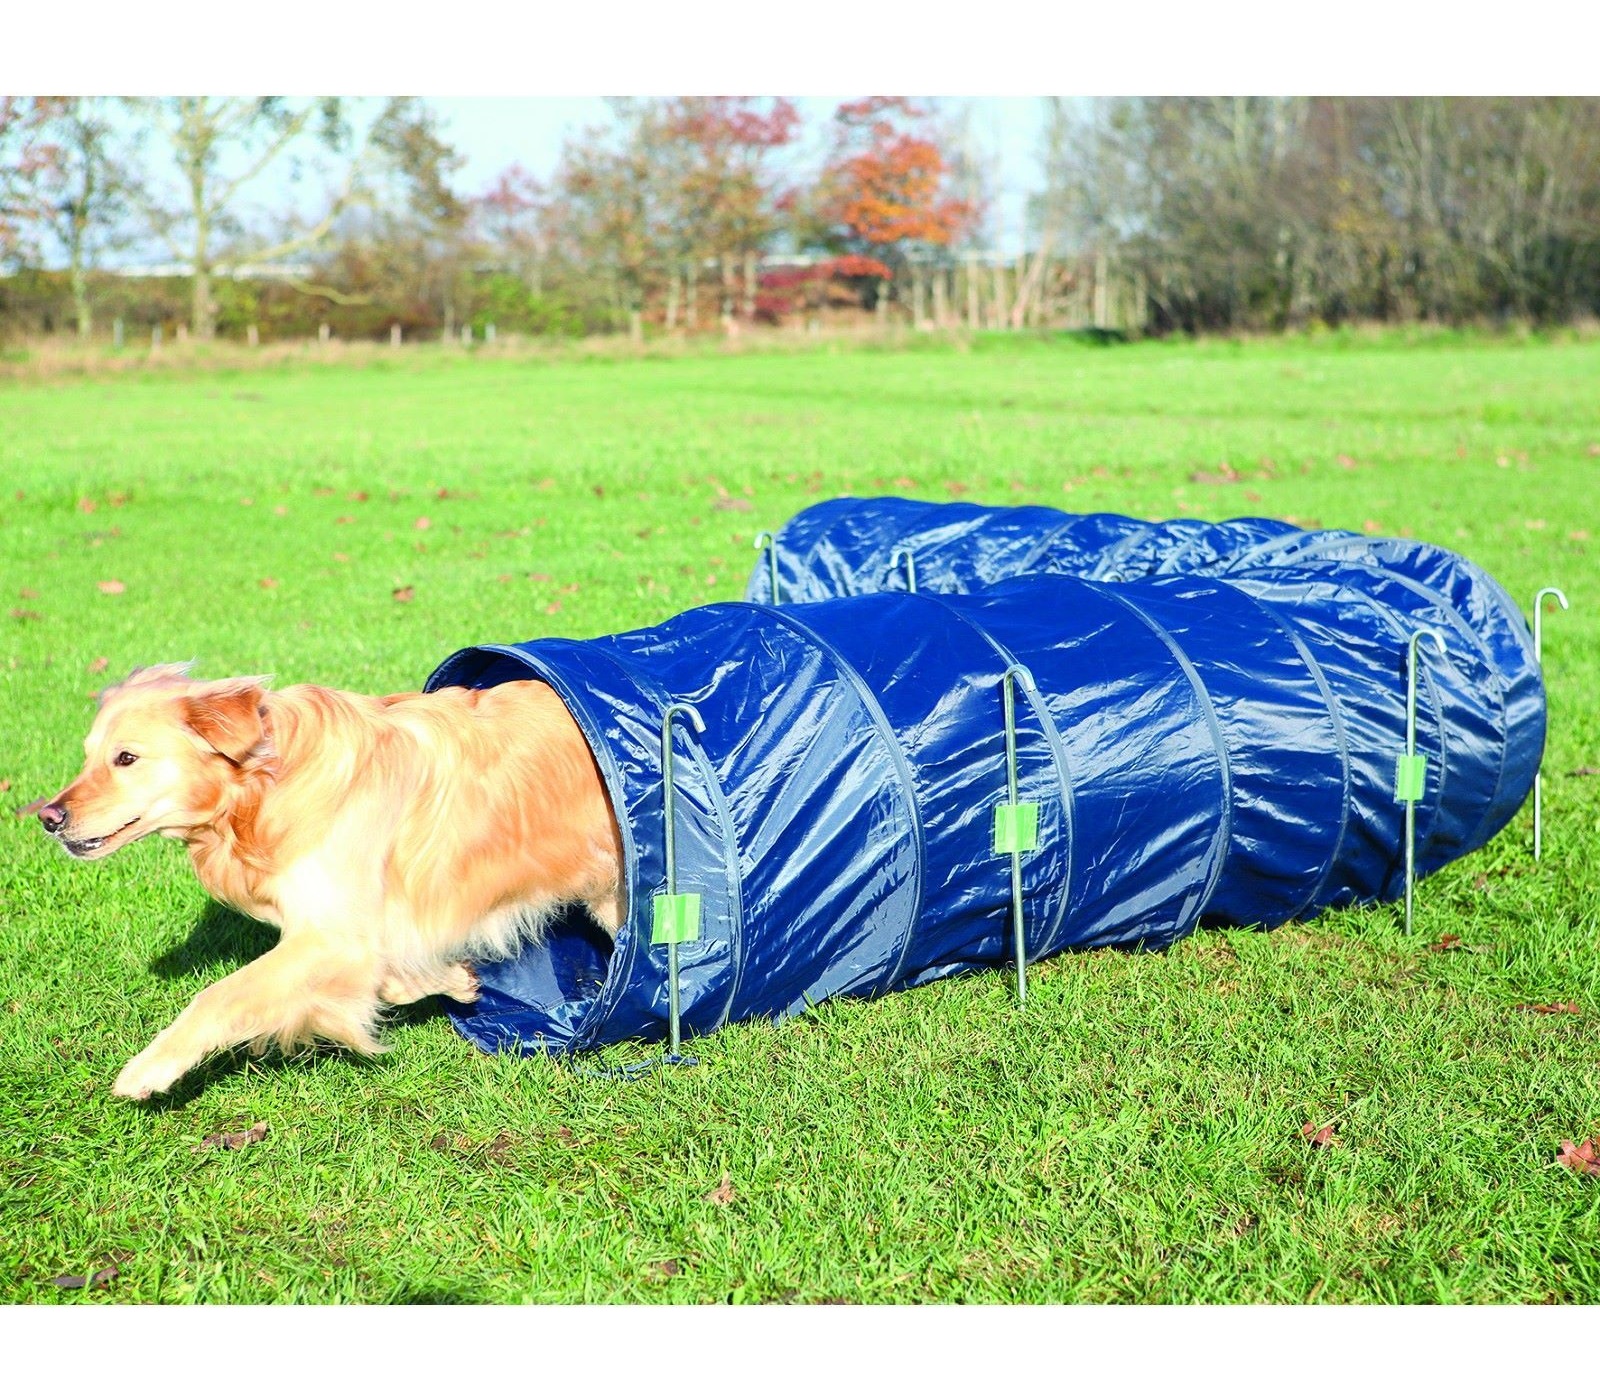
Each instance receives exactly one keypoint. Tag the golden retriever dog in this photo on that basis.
(391, 840)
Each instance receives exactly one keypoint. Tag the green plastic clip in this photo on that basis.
(1410, 777)
(676, 918)
(1016, 828)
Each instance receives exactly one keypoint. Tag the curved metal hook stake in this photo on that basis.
(904, 556)
(1013, 674)
(1409, 782)
(688, 712)
(765, 541)
(1538, 656)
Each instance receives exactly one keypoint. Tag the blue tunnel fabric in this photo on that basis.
(1214, 742)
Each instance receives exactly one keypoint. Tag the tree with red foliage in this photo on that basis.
(726, 201)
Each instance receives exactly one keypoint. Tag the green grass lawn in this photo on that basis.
(1134, 1135)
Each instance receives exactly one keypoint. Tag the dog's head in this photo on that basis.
(165, 754)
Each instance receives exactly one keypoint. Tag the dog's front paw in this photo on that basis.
(146, 1074)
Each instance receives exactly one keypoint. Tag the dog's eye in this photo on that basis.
(123, 759)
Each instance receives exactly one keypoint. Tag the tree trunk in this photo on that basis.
(672, 298)
(974, 310)
(750, 285)
(939, 301)
(693, 318)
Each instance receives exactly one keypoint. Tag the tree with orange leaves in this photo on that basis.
(885, 189)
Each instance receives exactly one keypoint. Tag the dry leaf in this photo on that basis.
(540, 578)
(667, 1268)
(88, 505)
(1450, 943)
(269, 583)
(600, 491)
(5, 784)
(231, 1141)
(27, 615)
(723, 1194)
(29, 808)
(1551, 1008)
(552, 607)
(1345, 461)
(280, 510)
(735, 503)
(339, 558)
(98, 665)
(345, 520)
(94, 1280)
(423, 523)
(1317, 1137)
(1584, 1158)
(247, 500)
(27, 593)
(405, 595)
(358, 495)
(1584, 772)
(112, 585)
(1533, 524)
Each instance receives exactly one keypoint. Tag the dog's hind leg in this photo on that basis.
(454, 980)
(301, 991)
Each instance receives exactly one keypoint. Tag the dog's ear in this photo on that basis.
(229, 717)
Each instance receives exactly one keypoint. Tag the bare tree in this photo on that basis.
(248, 135)
(88, 189)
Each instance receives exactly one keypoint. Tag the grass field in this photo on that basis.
(1135, 1135)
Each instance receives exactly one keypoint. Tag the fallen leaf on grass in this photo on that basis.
(738, 503)
(96, 666)
(666, 1268)
(1584, 772)
(1317, 1137)
(423, 523)
(94, 1280)
(5, 784)
(723, 1193)
(345, 520)
(404, 595)
(27, 593)
(1450, 943)
(29, 808)
(358, 495)
(269, 583)
(552, 607)
(230, 1141)
(1551, 1008)
(280, 510)
(27, 615)
(112, 585)
(1584, 1158)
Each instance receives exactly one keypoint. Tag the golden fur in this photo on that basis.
(389, 838)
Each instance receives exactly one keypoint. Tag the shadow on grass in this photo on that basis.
(221, 940)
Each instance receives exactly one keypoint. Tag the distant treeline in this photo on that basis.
(687, 215)
(1268, 212)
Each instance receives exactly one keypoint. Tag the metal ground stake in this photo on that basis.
(1411, 771)
(1538, 656)
(677, 916)
(1016, 823)
(765, 541)
(903, 556)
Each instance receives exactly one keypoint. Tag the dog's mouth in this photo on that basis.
(94, 845)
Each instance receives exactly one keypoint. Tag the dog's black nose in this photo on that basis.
(54, 818)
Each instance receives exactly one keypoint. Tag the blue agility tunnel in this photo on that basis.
(1213, 743)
